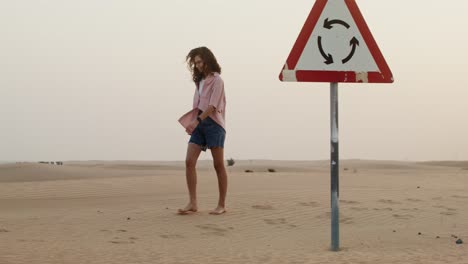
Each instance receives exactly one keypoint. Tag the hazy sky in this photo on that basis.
(82, 80)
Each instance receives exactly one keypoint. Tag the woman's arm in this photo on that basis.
(203, 115)
(208, 112)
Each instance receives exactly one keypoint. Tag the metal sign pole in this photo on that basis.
(334, 168)
(318, 55)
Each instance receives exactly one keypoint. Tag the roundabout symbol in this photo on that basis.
(328, 24)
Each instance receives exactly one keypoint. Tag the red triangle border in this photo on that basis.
(384, 76)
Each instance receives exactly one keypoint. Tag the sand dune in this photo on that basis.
(124, 212)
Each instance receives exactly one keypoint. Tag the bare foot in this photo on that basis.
(188, 209)
(219, 210)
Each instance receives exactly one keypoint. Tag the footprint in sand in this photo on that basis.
(118, 240)
(310, 204)
(166, 236)
(403, 217)
(383, 209)
(410, 209)
(279, 222)
(2, 230)
(388, 201)
(359, 209)
(348, 202)
(33, 240)
(346, 220)
(444, 207)
(460, 196)
(448, 213)
(262, 207)
(413, 200)
(121, 242)
(343, 219)
(214, 229)
(263, 259)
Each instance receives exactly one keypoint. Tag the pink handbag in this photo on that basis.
(188, 117)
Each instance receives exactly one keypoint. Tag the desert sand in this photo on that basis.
(125, 212)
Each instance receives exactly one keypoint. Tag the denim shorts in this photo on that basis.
(208, 134)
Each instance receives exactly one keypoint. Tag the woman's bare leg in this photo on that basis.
(218, 163)
(193, 152)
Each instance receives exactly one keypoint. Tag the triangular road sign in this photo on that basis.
(336, 45)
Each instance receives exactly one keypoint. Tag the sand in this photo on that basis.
(125, 212)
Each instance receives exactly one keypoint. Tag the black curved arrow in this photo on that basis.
(328, 58)
(354, 42)
(329, 24)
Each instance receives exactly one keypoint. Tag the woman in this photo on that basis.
(207, 126)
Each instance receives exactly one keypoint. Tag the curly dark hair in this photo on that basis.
(211, 64)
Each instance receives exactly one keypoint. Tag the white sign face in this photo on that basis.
(336, 44)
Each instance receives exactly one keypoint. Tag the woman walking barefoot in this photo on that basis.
(207, 126)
